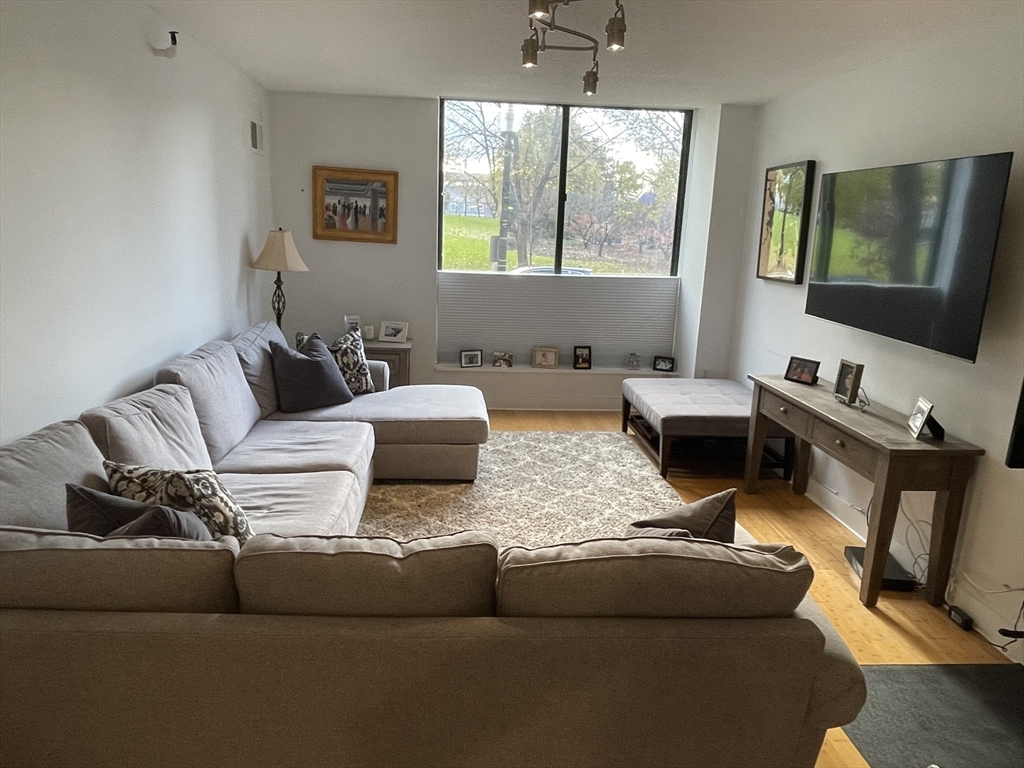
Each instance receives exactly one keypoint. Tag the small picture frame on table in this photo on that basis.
(847, 385)
(351, 323)
(664, 364)
(802, 371)
(581, 359)
(393, 331)
(921, 418)
(471, 358)
(544, 357)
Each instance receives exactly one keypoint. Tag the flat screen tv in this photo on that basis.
(906, 251)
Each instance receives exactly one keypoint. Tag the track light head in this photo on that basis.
(529, 49)
(616, 31)
(590, 81)
(539, 9)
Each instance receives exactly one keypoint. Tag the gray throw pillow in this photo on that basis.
(656, 533)
(166, 523)
(196, 490)
(308, 377)
(713, 517)
(99, 513)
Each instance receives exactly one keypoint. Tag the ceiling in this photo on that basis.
(679, 53)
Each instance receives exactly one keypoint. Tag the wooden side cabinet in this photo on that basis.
(395, 354)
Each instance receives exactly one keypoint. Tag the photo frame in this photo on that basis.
(847, 385)
(581, 359)
(800, 370)
(355, 204)
(352, 323)
(785, 222)
(471, 358)
(502, 359)
(393, 331)
(544, 357)
(664, 364)
(919, 417)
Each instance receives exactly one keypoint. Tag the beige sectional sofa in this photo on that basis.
(306, 647)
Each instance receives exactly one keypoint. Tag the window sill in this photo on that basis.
(596, 371)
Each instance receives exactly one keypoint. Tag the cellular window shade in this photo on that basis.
(513, 313)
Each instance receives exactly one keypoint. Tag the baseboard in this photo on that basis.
(549, 403)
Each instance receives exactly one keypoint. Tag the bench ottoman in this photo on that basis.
(675, 408)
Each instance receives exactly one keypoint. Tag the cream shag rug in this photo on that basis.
(534, 488)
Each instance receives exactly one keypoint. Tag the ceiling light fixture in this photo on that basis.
(542, 13)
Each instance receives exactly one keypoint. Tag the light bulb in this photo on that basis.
(616, 31)
(590, 82)
(529, 50)
(539, 9)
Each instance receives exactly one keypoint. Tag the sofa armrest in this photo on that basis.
(839, 690)
(380, 373)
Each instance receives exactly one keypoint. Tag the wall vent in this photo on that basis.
(256, 136)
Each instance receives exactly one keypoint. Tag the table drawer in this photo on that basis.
(791, 417)
(845, 448)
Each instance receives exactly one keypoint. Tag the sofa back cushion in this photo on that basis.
(157, 427)
(253, 348)
(76, 571)
(221, 395)
(652, 577)
(34, 469)
(450, 575)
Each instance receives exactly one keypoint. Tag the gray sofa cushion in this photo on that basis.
(157, 427)
(362, 576)
(319, 503)
(253, 348)
(673, 406)
(223, 400)
(421, 413)
(34, 469)
(303, 446)
(76, 571)
(648, 577)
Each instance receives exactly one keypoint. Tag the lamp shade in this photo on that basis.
(280, 253)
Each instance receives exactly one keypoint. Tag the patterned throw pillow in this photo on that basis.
(351, 358)
(199, 491)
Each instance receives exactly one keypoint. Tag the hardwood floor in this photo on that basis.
(902, 629)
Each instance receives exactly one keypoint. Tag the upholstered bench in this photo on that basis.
(675, 408)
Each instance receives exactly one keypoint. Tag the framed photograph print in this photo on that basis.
(847, 384)
(581, 358)
(355, 204)
(785, 219)
(471, 358)
(919, 417)
(392, 330)
(664, 364)
(502, 359)
(802, 371)
(544, 357)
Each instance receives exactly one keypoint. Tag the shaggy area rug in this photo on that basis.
(534, 488)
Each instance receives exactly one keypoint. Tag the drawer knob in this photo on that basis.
(782, 409)
(840, 443)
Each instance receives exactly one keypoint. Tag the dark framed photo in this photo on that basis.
(802, 371)
(847, 382)
(785, 219)
(471, 358)
(581, 358)
(355, 204)
(664, 364)
(919, 417)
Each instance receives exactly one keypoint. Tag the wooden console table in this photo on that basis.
(395, 354)
(878, 446)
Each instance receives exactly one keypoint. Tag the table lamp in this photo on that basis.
(280, 255)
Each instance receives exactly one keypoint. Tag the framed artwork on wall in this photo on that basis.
(785, 220)
(355, 204)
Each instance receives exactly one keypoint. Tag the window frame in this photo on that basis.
(684, 167)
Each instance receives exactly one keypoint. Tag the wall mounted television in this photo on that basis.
(906, 251)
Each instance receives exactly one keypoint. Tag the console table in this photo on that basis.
(875, 444)
(395, 354)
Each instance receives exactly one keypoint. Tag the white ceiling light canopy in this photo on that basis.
(542, 13)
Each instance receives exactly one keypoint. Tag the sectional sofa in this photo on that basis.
(306, 646)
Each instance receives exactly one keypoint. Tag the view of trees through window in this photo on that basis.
(500, 188)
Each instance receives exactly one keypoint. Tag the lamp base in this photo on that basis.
(277, 302)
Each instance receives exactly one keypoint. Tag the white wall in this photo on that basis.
(130, 205)
(960, 96)
(377, 282)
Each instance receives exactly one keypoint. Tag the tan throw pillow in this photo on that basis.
(652, 578)
(713, 517)
(197, 490)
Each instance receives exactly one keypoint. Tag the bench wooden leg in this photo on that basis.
(664, 454)
(625, 413)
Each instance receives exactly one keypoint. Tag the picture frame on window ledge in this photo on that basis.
(664, 364)
(581, 359)
(471, 358)
(502, 359)
(393, 331)
(544, 357)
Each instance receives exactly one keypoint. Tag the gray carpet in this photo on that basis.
(949, 715)
(534, 488)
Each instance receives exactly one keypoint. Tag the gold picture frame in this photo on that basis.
(355, 204)
(544, 357)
